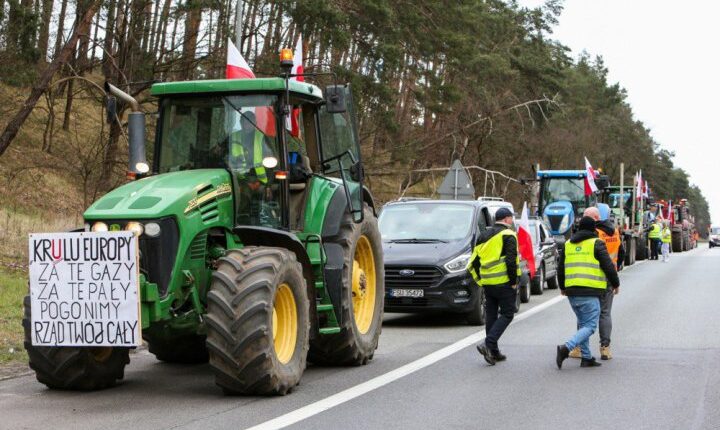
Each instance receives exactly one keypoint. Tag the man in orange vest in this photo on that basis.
(608, 233)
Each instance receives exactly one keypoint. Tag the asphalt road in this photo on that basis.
(427, 374)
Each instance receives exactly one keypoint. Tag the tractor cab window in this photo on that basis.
(565, 189)
(340, 149)
(238, 133)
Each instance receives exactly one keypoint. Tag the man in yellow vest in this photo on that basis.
(584, 271)
(248, 148)
(495, 267)
(610, 235)
(654, 235)
(666, 239)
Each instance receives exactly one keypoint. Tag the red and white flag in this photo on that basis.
(638, 186)
(238, 68)
(646, 189)
(590, 176)
(525, 245)
(293, 124)
(670, 214)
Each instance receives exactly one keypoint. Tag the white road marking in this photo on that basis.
(379, 381)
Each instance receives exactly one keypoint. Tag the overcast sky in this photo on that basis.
(665, 54)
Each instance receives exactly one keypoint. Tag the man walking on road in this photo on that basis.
(666, 238)
(585, 268)
(495, 267)
(654, 236)
(610, 235)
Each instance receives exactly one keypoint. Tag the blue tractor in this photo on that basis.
(562, 198)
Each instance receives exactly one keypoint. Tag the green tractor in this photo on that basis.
(259, 246)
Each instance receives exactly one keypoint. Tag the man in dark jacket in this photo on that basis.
(495, 267)
(585, 269)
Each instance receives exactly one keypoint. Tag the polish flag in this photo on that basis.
(646, 189)
(525, 240)
(293, 124)
(638, 186)
(238, 68)
(590, 176)
(670, 213)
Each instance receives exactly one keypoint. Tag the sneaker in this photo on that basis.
(499, 356)
(605, 353)
(562, 353)
(589, 362)
(487, 355)
(575, 353)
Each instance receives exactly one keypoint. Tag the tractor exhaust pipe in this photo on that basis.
(137, 163)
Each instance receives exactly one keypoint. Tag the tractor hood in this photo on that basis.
(560, 215)
(168, 194)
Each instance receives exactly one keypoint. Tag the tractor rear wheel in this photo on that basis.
(363, 290)
(178, 349)
(72, 367)
(258, 321)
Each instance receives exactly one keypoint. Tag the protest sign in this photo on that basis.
(84, 289)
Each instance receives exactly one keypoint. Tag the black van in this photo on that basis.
(427, 245)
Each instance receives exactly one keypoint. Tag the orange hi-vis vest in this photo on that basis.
(612, 243)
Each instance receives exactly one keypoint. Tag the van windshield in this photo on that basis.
(426, 221)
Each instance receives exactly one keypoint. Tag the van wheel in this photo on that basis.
(538, 282)
(477, 315)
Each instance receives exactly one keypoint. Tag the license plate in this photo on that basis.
(406, 293)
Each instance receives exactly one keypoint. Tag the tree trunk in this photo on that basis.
(108, 44)
(192, 27)
(44, 31)
(13, 126)
(61, 28)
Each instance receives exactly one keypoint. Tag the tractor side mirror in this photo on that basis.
(357, 173)
(602, 182)
(335, 99)
(111, 108)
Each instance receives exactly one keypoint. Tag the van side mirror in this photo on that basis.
(335, 99)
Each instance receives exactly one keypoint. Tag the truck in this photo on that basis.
(562, 199)
(257, 259)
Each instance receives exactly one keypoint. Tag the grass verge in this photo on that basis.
(13, 287)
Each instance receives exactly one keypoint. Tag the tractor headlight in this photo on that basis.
(99, 226)
(458, 263)
(565, 223)
(152, 229)
(135, 227)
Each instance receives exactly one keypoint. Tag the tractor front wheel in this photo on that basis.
(71, 367)
(258, 321)
(363, 291)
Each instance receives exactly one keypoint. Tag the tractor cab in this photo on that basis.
(563, 199)
(270, 134)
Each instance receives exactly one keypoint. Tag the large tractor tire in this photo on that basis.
(258, 321)
(178, 349)
(677, 242)
(363, 290)
(74, 368)
(642, 249)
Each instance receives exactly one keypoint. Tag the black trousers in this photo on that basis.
(499, 312)
(654, 248)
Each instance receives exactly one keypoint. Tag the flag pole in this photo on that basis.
(238, 23)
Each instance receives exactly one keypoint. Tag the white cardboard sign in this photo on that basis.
(84, 289)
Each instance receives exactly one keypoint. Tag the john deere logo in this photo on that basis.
(407, 272)
(578, 248)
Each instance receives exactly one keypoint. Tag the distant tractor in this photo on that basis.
(562, 198)
(683, 227)
(259, 247)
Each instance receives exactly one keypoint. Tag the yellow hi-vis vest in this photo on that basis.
(238, 151)
(493, 269)
(582, 269)
(666, 235)
(654, 231)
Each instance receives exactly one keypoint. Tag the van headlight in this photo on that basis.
(458, 263)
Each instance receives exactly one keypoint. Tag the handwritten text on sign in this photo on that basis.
(84, 289)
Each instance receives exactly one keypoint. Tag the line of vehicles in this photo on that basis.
(427, 243)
